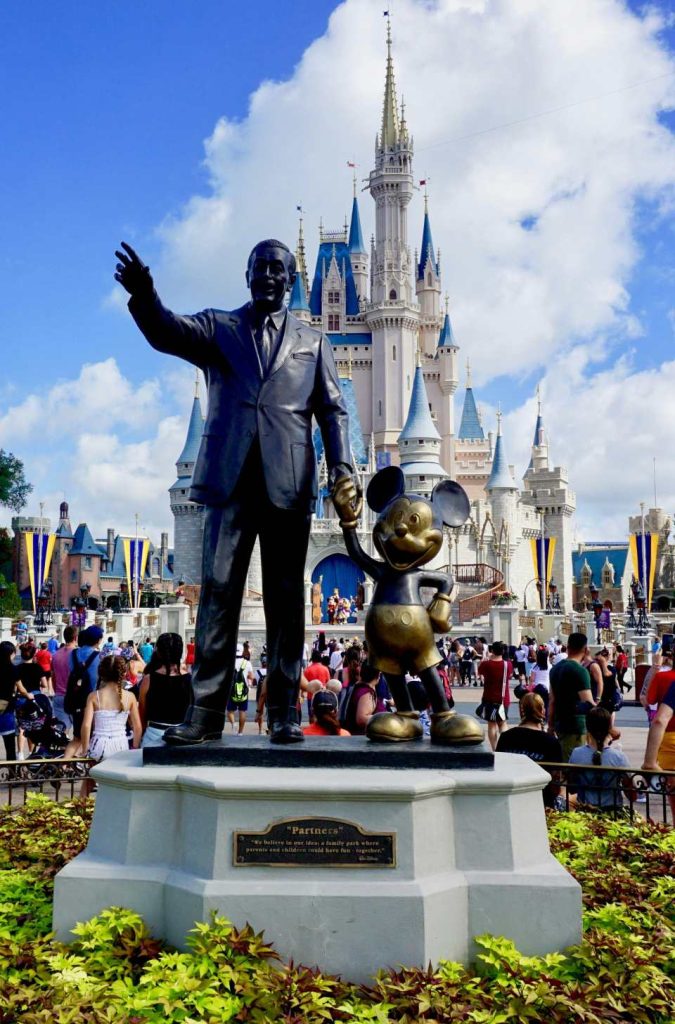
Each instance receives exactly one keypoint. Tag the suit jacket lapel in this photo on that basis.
(245, 349)
(292, 334)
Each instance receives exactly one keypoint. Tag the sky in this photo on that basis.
(190, 130)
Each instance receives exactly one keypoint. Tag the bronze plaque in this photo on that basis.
(315, 842)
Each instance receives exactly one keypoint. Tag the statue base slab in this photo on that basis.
(321, 752)
(348, 870)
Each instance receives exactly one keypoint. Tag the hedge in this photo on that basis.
(115, 971)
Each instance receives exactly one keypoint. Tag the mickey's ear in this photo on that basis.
(386, 485)
(450, 502)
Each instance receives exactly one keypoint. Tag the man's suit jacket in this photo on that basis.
(243, 403)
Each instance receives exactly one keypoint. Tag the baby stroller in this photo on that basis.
(46, 733)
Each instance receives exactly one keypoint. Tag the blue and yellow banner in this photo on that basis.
(543, 566)
(136, 551)
(39, 550)
(645, 567)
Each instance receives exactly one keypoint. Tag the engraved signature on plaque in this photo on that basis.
(315, 842)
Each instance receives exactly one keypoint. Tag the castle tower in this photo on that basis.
(297, 303)
(547, 490)
(472, 450)
(188, 517)
(446, 358)
(502, 490)
(419, 443)
(392, 316)
(357, 252)
(428, 288)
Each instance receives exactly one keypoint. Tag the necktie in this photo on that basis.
(265, 343)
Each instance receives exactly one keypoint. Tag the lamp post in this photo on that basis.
(535, 579)
(553, 600)
(631, 622)
(643, 547)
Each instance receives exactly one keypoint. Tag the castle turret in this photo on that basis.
(428, 288)
(357, 252)
(419, 443)
(297, 302)
(188, 516)
(547, 490)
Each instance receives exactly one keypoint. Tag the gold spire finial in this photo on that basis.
(300, 258)
(418, 356)
(539, 399)
(196, 382)
(468, 372)
(499, 419)
(447, 302)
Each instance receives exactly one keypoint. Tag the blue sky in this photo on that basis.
(105, 109)
(190, 129)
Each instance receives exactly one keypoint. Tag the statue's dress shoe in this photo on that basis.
(286, 732)
(394, 727)
(190, 732)
(449, 728)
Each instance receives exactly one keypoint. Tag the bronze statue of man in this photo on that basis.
(268, 375)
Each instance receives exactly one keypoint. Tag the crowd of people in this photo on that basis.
(110, 697)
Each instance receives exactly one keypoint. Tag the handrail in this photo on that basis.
(629, 788)
(60, 775)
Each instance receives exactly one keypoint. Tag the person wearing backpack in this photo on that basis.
(83, 676)
(243, 679)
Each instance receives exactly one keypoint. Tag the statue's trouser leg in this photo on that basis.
(229, 535)
(433, 684)
(284, 536)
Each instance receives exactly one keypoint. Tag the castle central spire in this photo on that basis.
(390, 122)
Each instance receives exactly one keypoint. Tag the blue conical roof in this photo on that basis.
(446, 337)
(355, 233)
(500, 476)
(194, 434)
(419, 423)
(298, 299)
(470, 428)
(84, 543)
(427, 250)
(538, 436)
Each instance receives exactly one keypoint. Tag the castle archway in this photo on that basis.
(337, 571)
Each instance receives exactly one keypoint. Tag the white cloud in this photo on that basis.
(106, 444)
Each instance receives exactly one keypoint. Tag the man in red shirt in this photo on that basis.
(44, 660)
(495, 673)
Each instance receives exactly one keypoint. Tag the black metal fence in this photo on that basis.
(621, 792)
(60, 778)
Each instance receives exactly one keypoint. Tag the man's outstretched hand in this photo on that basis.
(132, 273)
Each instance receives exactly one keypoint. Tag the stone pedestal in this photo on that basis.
(504, 623)
(174, 618)
(458, 853)
(6, 629)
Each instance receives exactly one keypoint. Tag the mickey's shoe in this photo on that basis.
(284, 726)
(449, 728)
(394, 727)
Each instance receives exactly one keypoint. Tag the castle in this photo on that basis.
(397, 358)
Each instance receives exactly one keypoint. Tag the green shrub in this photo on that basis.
(115, 972)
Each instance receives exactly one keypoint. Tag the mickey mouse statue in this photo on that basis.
(399, 627)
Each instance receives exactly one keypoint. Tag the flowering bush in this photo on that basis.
(115, 972)
(506, 597)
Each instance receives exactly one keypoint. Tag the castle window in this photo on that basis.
(334, 298)
(393, 352)
(379, 408)
(392, 295)
(73, 576)
(87, 561)
(422, 478)
(333, 322)
(429, 279)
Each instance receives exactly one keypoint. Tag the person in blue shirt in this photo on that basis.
(87, 653)
(145, 650)
(599, 789)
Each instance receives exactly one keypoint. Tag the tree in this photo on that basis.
(10, 602)
(14, 488)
